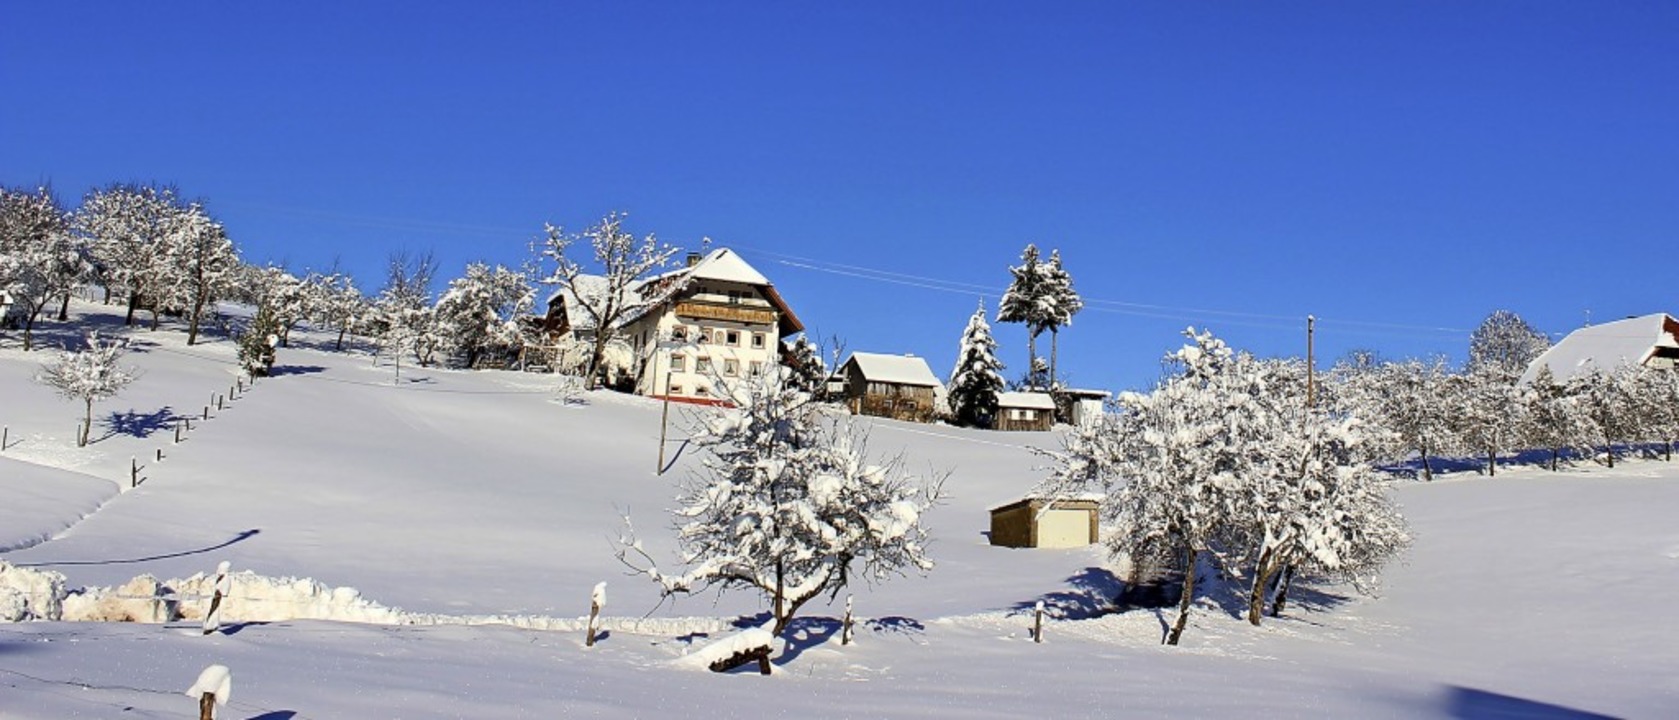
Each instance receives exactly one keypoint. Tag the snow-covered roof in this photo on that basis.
(1606, 346)
(722, 264)
(726, 265)
(1069, 497)
(1085, 393)
(1029, 400)
(899, 369)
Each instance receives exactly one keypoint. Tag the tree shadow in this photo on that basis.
(675, 456)
(1472, 704)
(275, 715)
(134, 424)
(803, 634)
(895, 624)
(236, 628)
(281, 370)
(241, 537)
(1093, 592)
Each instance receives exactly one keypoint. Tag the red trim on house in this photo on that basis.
(686, 400)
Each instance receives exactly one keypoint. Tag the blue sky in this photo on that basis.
(1398, 169)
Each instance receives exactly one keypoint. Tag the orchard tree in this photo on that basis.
(1609, 401)
(40, 260)
(403, 310)
(480, 311)
(598, 304)
(202, 263)
(1555, 418)
(1409, 399)
(1506, 342)
(1487, 407)
(88, 375)
(125, 225)
(789, 506)
(335, 302)
(978, 378)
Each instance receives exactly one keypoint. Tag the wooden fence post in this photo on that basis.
(597, 601)
(133, 472)
(845, 627)
(213, 687)
(177, 431)
(206, 412)
(5, 434)
(159, 455)
(218, 403)
(1038, 623)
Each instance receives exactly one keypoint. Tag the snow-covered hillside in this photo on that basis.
(453, 496)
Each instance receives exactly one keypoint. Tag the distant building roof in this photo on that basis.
(722, 264)
(899, 369)
(1607, 346)
(1027, 400)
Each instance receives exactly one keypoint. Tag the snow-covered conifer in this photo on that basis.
(1026, 301)
(1061, 302)
(807, 371)
(604, 301)
(789, 505)
(977, 378)
(88, 375)
(257, 343)
(1505, 341)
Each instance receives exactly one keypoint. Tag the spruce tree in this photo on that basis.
(1023, 301)
(1061, 303)
(256, 346)
(977, 379)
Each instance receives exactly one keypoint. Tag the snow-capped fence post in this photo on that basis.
(133, 471)
(218, 403)
(159, 455)
(1038, 623)
(213, 687)
(5, 434)
(597, 602)
(224, 587)
(206, 412)
(845, 627)
(177, 431)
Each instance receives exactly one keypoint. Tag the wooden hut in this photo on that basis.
(900, 387)
(1024, 411)
(1035, 522)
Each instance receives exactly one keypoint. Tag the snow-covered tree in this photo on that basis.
(807, 371)
(1409, 400)
(789, 505)
(403, 309)
(40, 260)
(336, 302)
(257, 343)
(977, 378)
(1505, 341)
(1025, 301)
(1555, 418)
(203, 265)
(1061, 303)
(478, 314)
(1487, 407)
(125, 225)
(1657, 390)
(285, 295)
(88, 375)
(601, 302)
(1224, 462)
(1609, 401)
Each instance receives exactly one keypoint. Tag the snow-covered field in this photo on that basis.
(472, 514)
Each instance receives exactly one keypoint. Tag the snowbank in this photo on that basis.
(29, 594)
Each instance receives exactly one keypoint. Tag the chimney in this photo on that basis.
(693, 259)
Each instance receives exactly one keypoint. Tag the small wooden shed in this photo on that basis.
(900, 387)
(1024, 411)
(1035, 522)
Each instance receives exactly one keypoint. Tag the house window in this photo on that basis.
(676, 389)
(678, 363)
(731, 367)
(735, 297)
(734, 338)
(758, 340)
(705, 335)
(702, 365)
(701, 391)
(679, 333)
(757, 368)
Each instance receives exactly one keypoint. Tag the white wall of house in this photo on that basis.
(698, 354)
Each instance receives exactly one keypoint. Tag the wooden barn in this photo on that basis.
(1024, 411)
(900, 387)
(1034, 522)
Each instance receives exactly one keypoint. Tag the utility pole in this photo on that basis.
(664, 417)
(1311, 367)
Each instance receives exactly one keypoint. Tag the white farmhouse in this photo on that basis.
(1649, 340)
(724, 321)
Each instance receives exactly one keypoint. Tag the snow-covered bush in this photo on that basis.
(789, 505)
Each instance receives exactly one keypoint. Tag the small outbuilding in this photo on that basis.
(1024, 411)
(1075, 406)
(1035, 522)
(900, 387)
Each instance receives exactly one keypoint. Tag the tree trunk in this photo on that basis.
(1054, 350)
(64, 308)
(1262, 573)
(1427, 472)
(133, 302)
(1031, 355)
(596, 355)
(1188, 594)
(1554, 453)
(341, 330)
(29, 330)
(87, 424)
(1283, 585)
(1492, 463)
(197, 311)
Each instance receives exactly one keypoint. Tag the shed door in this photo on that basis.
(1064, 529)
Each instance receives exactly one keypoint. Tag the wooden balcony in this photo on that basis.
(726, 313)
